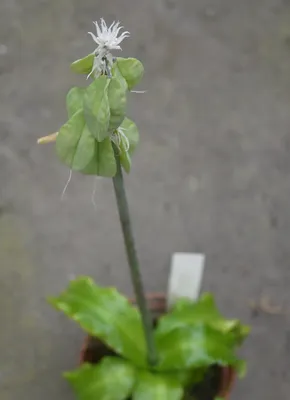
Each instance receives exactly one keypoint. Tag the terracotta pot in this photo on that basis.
(157, 304)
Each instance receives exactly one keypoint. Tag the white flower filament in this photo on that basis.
(107, 39)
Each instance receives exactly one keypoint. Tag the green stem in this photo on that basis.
(124, 216)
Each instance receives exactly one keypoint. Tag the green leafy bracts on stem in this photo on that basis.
(130, 69)
(97, 115)
(78, 149)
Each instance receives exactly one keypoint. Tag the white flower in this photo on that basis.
(107, 39)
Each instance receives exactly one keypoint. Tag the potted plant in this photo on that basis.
(134, 350)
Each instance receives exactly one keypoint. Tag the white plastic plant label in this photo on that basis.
(185, 279)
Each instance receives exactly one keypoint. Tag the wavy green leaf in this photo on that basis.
(74, 100)
(157, 387)
(111, 379)
(131, 69)
(75, 144)
(97, 108)
(194, 347)
(106, 314)
(186, 313)
(83, 65)
(118, 102)
(103, 162)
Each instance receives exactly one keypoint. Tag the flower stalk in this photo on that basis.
(96, 117)
(133, 261)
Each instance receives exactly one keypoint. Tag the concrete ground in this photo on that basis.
(212, 175)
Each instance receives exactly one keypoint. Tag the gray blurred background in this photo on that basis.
(212, 175)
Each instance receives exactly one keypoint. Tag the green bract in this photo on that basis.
(74, 100)
(116, 72)
(103, 162)
(131, 69)
(117, 102)
(97, 108)
(192, 337)
(83, 65)
(132, 134)
(131, 131)
(75, 144)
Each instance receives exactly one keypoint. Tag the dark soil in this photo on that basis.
(205, 390)
(208, 388)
